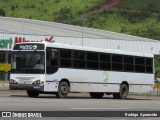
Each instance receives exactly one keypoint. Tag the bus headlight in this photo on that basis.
(13, 81)
(38, 82)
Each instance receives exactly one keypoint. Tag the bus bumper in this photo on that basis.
(26, 87)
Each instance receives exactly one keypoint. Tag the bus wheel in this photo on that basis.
(63, 90)
(32, 93)
(122, 93)
(96, 95)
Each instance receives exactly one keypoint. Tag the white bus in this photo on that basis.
(39, 67)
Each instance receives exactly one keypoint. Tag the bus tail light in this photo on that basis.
(13, 81)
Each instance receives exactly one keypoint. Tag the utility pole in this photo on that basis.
(6, 62)
(83, 22)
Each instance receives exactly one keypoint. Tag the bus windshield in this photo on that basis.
(30, 62)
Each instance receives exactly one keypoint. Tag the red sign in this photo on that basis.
(22, 39)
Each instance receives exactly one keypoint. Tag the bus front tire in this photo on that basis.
(96, 95)
(63, 90)
(32, 93)
(122, 93)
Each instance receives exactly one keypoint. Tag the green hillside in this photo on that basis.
(49, 10)
(135, 17)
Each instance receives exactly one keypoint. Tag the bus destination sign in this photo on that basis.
(29, 47)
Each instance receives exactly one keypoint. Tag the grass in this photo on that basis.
(7, 91)
(149, 26)
(45, 9)
(3, 82)
(138, 17)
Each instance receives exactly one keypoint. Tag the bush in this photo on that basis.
(2, 12)
(30, 6)
(30, 17)
(65, 10)
(123, 29)
(80, 13)
(134, 17)
(137, 17)
(63, 14)
(157, 64)
(152, 8)
(148, 32)
(158, 17)
(16, 6)
(108, 11)
(56, 1)
(12, 8)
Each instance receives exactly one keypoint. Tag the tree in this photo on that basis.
(157, 64)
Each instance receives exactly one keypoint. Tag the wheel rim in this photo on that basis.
(64, 90)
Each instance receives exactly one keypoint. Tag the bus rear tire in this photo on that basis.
(32, 93)
(63, 90)
(122, 93)
(96, 95)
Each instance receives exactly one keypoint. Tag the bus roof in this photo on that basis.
(68, 46)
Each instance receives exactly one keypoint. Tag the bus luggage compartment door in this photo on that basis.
(51, 86)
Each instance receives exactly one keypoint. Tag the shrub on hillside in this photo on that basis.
(12, 8)
(158, 17)
(56, 1)
(157, 64)
(137, 17)
(134, 17)
(123, 29)
(2, 12)
(63, 14)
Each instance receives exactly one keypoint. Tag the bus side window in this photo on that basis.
(65, 58)
(140, 64)
(52, 61)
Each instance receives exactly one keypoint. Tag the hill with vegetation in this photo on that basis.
(135, 17)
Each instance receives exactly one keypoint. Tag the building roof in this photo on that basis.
(38, 27)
